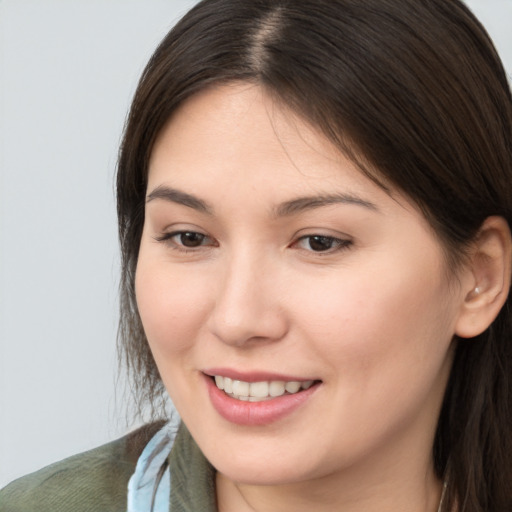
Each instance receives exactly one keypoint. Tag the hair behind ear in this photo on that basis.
(473, 446)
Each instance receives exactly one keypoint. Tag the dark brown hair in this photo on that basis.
(415, 93)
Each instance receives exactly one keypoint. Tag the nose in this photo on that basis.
(248, 306)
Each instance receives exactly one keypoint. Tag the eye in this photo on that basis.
(322, 243)
(183, 240)
(189, 239)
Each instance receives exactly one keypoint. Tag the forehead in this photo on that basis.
(240, 132)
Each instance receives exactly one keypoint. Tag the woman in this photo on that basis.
(314, 210)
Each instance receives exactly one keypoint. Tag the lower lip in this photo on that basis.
(265, 412)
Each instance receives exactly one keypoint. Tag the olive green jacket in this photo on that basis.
(97, 480)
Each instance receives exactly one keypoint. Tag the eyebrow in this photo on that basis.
(302, 204)
(292, 207)
(173, 195)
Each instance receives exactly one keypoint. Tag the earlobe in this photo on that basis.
(490, 268)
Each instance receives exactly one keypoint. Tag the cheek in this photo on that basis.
(394, 316)
(384, 343)
(171, 305)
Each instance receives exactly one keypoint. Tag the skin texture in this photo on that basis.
(372, 317)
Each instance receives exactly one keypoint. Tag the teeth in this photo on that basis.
(292, 387)
(219, 381)
(228, 385)
(276, 388)
(258, 391)
(240, 388)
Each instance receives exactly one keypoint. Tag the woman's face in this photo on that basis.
(267, 258)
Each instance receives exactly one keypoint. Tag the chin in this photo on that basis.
(266, 474)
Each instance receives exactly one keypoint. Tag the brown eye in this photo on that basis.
(185, 240)
(320, 243)
(190, 239)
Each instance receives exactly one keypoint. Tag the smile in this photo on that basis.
(259, 391)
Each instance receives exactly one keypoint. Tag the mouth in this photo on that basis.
(257, 398)
(259, 391)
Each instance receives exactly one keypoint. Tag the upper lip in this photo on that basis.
(254, 376)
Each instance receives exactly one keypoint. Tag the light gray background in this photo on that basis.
(68, 69)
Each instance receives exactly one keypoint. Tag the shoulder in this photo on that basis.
(93, 481)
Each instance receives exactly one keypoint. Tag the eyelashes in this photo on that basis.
(187, 241)
(322, 243)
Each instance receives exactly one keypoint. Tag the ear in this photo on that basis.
(488, 276)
